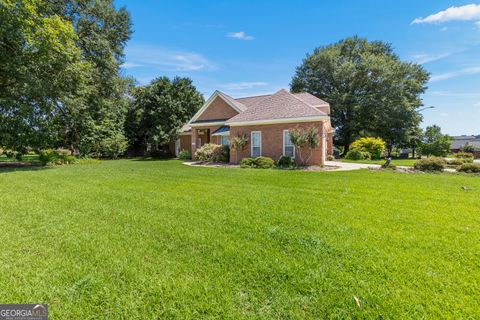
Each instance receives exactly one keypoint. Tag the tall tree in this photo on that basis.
(370, 90)
(40, 65)
(158, 110)
(435, 143)
(97, 116)
(59, 74)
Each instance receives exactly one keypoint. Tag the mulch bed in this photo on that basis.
(17, 164)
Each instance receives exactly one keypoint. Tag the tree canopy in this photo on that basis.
(158, 110)
(59, 74)
(371, 92)
(435, 143)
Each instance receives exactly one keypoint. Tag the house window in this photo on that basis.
(225, 140)
(288, 147)
(256, 142)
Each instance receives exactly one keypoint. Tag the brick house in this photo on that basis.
(266, 120)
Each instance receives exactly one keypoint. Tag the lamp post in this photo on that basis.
(430, 107)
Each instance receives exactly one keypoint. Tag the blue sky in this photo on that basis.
(252, 47)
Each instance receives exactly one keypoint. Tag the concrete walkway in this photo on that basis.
(347, 166)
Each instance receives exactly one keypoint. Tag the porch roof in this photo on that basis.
(222, 131)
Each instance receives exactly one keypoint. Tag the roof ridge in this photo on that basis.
(305, 92)
(260, 95)
(305, 102)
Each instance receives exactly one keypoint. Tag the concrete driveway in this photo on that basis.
(347, 166)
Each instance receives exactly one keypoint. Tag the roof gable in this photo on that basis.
(218, 107)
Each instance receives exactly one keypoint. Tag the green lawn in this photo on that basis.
(26, 158)
(157, 239)
(396, 162)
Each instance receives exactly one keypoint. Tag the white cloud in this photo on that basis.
(449, 75)
(454, 94)
(463, 13)
(165, 59)
(130, 65)
(242, 85)
(239, 35)
(425, 57)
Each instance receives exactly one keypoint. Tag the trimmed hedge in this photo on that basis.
(470, 168)
(466, 157)
(431, 164)
(356, 154)
(285, 162)
(258, 163)
(184, 155)
(211, 152)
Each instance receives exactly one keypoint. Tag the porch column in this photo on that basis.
(194, 141)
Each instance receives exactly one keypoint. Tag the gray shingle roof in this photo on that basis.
(250, 101)
(280, 105)
(460, 141)
(311, 99)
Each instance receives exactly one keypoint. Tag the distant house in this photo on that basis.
(460, 141)
(266, 120)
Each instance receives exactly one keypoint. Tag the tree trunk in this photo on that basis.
(413, 152)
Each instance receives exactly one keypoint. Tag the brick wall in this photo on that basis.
(272, 141)
(218, 109)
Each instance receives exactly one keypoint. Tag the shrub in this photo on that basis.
(285, 162)
(184, 155)
(159, 154)
(264, 162)
(69, 159)
(330, 158)
(48, 156)
(56, 157)
(258, 162)
(356, 154)
(10, 154)
(469, 168)
(468, 148)
(211, 152)
(465, 156)
(112, 147)
(247, 163)
(430, 164)
(374, 146)
(455, 162)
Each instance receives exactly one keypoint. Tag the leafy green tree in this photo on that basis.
(40, 66)
(158, 110)
(435, 143)
(59, 74)
(97, 115)
(371, 92)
